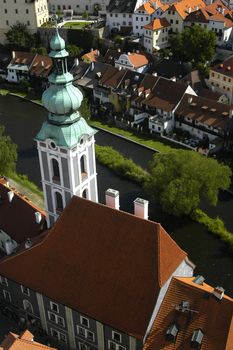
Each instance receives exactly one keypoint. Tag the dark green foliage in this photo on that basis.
(120, 165)
(181, 179)
(82, 38)
(18, 36)
(215, 226)
(8, 153)
(85, 15)
(85, 109)
(74, 50)
(195, 44)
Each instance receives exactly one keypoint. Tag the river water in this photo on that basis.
(23, 120)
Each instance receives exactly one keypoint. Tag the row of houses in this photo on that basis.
(155, 22)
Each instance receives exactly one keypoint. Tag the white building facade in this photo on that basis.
(79, 6)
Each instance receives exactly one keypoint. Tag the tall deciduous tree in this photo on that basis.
(8, 153)
(181, 179)
(194, 44)
(19, 36)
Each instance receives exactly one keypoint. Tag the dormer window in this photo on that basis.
(172, 332)
(54, 306)
(84, 321)
(196, 340)
(25, 290)
(116, 336)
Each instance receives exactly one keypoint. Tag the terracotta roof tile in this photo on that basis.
(20, 57)
(91, 56)
(23, 342)
(41, 66)
(225, 68)
(112, 77)
(215, 114)
(118, 259)
(157, 24)
(22, 226)
(212, 316)
(137, 60)
(182, 7)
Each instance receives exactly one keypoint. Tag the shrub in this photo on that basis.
(120, 165)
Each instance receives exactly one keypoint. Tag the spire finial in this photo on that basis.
(54, 19)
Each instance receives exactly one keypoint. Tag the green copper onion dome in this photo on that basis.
(57, 43)
(62, 100)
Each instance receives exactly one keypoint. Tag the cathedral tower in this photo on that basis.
(65, 142)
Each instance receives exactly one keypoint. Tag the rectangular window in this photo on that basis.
(25, 290)
(5, 10)
(54, 306)
(82, 346)
(27, 11)
(56, 319)
(16, 10)
(86, 333)
(115, 346)
(58, 335)
(3, 281)
(28, 23)
(84, 321)
(6, 295)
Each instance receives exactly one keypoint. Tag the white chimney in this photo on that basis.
(28, 243)
(112, 198)
(42, 63)
(218, 292)
(38, 217)
(9, 247)
(10, 195)
(13, 54)
(141, 208)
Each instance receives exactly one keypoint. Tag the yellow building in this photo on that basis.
(32, 13)
(221, 78)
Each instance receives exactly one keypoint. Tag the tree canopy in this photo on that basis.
(181, 179)
(74, 50)
(195, 44)
(19, 36)
(8, 153)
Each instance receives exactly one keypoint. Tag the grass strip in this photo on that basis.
(23, 181)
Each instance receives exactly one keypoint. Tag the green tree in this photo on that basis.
(85, 109)
(18, 36)
(74, 50)
(40, 50)
(85, 15)
(181, 179)
(195, 44)
(8, 153)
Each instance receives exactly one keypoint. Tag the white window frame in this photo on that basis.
(80, 344)
(3, 281)
(52, 304)
(85, 335)
(56, 317)
(83, 320)
(59, 335)
(114, 333)
(116, 346)
(6, 295)
(25, 290)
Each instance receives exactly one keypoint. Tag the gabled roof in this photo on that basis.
(225, 68)
(91, 56)
(25, 341)
(41, 66)
(121, 6)
(184, 7)
(105, 263)
(158, 23)
(137, 60)
(18, 227)
(215, 11)
(87, 75)
(205, 111)
(149, 7)
(212, 316)
(166, 94)
(22, 58)
(111, 55)
(112, 77)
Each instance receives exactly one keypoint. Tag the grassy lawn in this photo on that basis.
(161, 146)
(76, 25)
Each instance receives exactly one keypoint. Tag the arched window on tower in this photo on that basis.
(56, 170)
(27, 306)
(58, 202)
(85, 193)
(83, 166)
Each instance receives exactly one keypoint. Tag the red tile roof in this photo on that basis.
(41, 66)
(183, 7)
(20, 57)
(137, 60)
(103, 262)
(225, 68)
(91, 56)
(25, 341)
(158, 23)
(214, 317)
(18, 226)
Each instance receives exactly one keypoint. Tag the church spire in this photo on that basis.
(65, 142)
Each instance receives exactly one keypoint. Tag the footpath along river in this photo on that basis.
(23, 120)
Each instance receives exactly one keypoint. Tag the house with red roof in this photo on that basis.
(137, 62)
(156, 35)
(143, 15)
